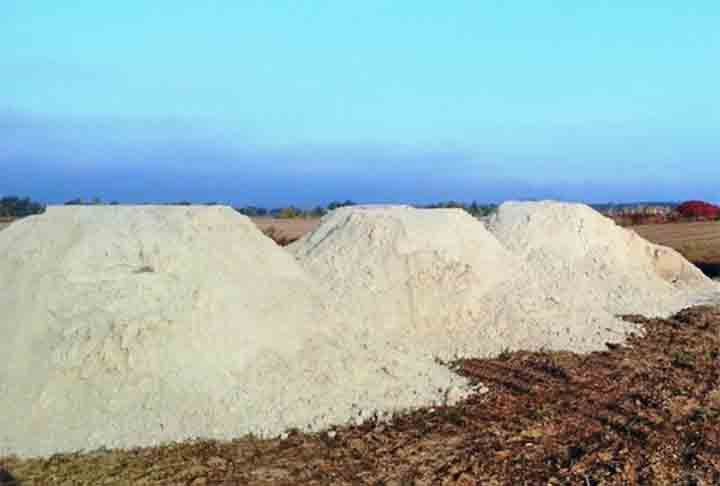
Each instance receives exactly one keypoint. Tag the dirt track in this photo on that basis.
(647, 413)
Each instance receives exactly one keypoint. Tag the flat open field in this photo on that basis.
(699, 242)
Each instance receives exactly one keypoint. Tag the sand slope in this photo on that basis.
(586, 259)
(543, 274)
(404, 269)
(127, 326)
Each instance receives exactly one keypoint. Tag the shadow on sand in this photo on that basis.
(7, 479)
(712, 270)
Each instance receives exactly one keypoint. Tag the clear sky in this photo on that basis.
(274, 102)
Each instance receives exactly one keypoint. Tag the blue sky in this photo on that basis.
(275, 102)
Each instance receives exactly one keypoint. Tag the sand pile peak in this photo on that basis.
(566, 234)
(402, 269)
(544, 274)
(127, 326)
(580, 256)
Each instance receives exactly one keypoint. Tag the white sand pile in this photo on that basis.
(586, 260)
(440, 282)
(127, 326)
(418, 275)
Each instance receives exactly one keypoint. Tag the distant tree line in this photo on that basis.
(16, 207)
(19, 207)
(96, 201)
(289, 212)
(475, 209)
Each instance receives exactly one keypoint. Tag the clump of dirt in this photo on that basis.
(646, 412)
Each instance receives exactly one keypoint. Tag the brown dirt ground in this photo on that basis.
(645, 413)
(285, 231)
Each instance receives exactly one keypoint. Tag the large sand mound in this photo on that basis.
(128, 326)
(585, 259)
(404, 268)
(417, 274)
(125, 326)
(546, 275)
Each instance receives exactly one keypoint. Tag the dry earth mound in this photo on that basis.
(585, 259)
(546, 275)
(126, 326)
(438, 281)
(405, 270)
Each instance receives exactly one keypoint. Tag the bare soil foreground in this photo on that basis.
(698, 242)
(645, 413)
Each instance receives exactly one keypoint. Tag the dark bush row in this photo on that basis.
(17, 207)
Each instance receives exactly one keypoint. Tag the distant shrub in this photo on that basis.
(78, 201)
(474, 209)
(289, 212)
(16, 207)
(337, 204)
(252, 211)
(698, 210)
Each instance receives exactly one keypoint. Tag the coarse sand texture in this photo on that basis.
(132, 326)
(585, 259)
(418, 275)
(126, 326)
(540, 275)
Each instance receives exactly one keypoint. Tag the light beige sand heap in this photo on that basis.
(438, 281)
(129, 326)
(403, 267)
(587, 260)
(417, 274)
